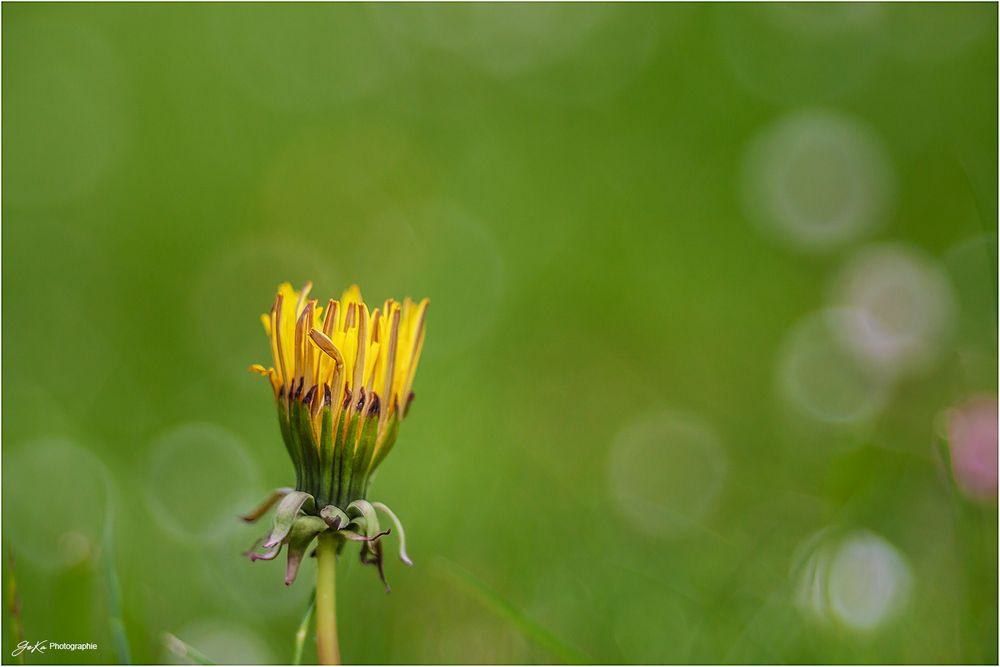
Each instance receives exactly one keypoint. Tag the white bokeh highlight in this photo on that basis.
(666, 473)
(818, 375)
(816, 180)
(899, 305)
(868, 581)
(856, 581)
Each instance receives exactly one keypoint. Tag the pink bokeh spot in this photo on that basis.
(972, 437)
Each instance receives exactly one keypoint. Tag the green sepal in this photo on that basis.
(360, 524)
(388, 440)
(290, 444)
(365, 510)
(308, 448)
(371, 549)
(382, 507)
(347, 459)
(304, 531)
(363, 455)
(301, 469)
(338, 439)
(287, 512)
(334, 517)
(326, 473)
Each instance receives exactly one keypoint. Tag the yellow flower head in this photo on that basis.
(346, 364)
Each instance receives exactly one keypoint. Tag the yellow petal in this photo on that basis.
(327, 346)
(389, 381)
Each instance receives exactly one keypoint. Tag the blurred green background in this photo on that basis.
(711, 287)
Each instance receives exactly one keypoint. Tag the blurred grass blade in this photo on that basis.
(970, 549)
(14, 606)
(944, 451)
(185, 651)
(119, 637)
(525, 625)
(303, 631)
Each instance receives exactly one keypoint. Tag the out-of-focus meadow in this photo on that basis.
(711, 358)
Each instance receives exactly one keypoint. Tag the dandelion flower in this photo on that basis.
(342, 377)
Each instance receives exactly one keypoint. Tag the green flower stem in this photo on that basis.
(327, 647)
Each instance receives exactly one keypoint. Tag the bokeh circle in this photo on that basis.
(57, 497)
(667, 472)
(199, 478)
(816, 180)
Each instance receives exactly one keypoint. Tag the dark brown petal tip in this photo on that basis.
(265, 505)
